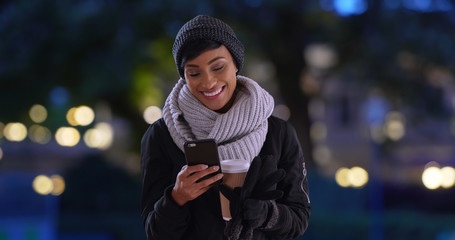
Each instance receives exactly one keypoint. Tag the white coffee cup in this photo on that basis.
(234, 173)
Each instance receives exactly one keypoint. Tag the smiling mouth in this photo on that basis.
(214, 93)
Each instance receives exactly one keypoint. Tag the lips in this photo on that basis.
(213, 94)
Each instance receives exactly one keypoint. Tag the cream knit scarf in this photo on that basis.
(239, 133)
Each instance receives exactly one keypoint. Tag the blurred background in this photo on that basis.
(368, 84)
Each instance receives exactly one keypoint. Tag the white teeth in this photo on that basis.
(212, 93)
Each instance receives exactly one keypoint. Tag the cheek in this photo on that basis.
(192, 86)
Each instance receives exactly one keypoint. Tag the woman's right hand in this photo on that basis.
(187, 188)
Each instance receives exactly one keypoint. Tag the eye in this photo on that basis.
(218, 68)
(193, 74)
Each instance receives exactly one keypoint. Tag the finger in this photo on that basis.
(208, 182)
(198, 175)
(195, 168)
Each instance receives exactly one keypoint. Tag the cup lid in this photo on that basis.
(234, 165)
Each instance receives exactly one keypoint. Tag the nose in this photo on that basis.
(209, 81)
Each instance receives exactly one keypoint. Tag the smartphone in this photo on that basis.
(202, 152)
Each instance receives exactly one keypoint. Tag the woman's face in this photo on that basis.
(211, 78)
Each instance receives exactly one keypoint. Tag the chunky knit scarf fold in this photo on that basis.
(239, 133)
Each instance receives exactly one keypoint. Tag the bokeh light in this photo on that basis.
(318, 131)
(45, 185)
(432, 177)
(70, 116)
(82, 115)
(320, 56)
(38, 113)
(356, 177)
(101, 136)
(342, 177)
(282, 111)
(377, 133)
(1, 153)
(15, 132)
(151, 114)
(39, 134)
(42, 185)
(350, 7)
(448, 177)
(58, 185)
(67, 136)
(395, 128)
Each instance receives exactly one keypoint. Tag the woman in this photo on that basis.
(212, 101)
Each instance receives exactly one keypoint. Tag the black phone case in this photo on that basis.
(202, 152)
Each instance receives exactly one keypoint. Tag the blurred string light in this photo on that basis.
(67, 136)
(39, 134)
(282, 111)
(394, 125)
(38, 113)
(42, 185)
(345, 8)
(15, 132)
(80, 116)
(355, 177)
(45, 185)
(58, 184)
(318, 131)
(320, 56)
(377, 133)
(101, 136)
(152, 114)
(434, 177)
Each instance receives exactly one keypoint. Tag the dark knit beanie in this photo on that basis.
(210, 28)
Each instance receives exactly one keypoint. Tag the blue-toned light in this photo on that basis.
(59, 96)
(350, 7)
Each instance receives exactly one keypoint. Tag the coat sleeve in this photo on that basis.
(162, 217)
(293, 209)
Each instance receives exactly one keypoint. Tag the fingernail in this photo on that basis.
(215, 168)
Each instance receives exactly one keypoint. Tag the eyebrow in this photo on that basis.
(211, 61)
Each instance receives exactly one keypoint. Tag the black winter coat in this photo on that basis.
(162, 160)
